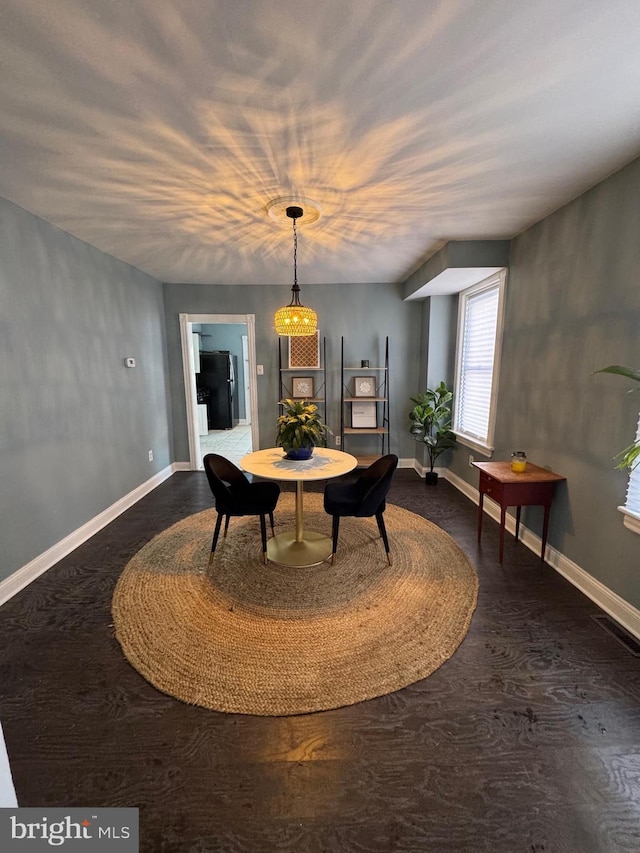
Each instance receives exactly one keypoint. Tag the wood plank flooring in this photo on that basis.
(527, 739)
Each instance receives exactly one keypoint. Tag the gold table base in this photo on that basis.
(301, 548)
(287, 550)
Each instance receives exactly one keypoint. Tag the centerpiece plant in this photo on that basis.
(300, 428)
(431, 424)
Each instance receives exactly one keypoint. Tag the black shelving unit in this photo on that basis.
(380, 398)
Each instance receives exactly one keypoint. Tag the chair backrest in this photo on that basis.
(226, 481)
(375, 482)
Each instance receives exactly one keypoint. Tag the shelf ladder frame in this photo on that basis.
(345, 398)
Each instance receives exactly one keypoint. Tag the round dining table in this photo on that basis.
(301, 547)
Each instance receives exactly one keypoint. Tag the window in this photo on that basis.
(478, 360)
(631, 509)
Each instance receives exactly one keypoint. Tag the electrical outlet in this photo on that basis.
(471, 460)
(338, 441)
(151, 456)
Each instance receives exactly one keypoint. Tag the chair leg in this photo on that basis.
(216, 533)
(335, 528)
(226, 526)
(263, 533)
(271, 520)
(383, 533)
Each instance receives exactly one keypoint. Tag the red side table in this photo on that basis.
(533, 487)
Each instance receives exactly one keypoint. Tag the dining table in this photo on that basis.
(299, 547)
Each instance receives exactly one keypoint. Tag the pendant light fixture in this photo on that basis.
(294, 319)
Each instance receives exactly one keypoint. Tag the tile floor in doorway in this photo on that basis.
(232, 443)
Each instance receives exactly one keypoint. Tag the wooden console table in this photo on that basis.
(533, 487)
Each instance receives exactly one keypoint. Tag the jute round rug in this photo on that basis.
(247, 638)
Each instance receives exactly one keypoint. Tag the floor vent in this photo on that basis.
(621, 634)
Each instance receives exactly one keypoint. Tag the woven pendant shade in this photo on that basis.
(296, 320)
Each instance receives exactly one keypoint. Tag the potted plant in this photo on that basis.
(300, 428)
(430, 423)
(629, 458)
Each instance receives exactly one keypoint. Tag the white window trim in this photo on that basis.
(630, 520)
(463, 438)
(500, 278)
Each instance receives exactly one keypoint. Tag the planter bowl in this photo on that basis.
(299, 453)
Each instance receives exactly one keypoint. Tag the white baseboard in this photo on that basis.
(23, 576)
(407, 463)
(624, 613)
(421, 470)
(619, 609)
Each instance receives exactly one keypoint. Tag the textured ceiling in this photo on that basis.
(159, 130)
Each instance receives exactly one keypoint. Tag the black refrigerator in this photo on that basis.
(218, 375)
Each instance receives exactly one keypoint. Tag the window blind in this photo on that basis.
(633, 491)
(475, 378)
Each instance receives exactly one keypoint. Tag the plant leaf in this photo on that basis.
(620, 370)
(629, 458)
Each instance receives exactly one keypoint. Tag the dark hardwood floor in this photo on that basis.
(527, 739)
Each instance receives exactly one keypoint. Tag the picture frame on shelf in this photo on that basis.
(304, 351)
(302, 388)
(364, 415)
(364, 386)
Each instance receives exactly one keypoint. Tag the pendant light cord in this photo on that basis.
(295, 253)
(295, 289)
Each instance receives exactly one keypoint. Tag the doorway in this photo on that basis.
(218, 362)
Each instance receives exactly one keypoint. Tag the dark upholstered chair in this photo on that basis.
(235, 495)
(362, 499)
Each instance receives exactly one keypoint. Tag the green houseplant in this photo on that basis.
(629, 458)
(430, 423)
(300, 428)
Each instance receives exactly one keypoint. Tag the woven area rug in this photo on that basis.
(247, 638)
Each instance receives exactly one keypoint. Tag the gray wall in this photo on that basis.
(363, 313)
(76, 425)
(573, 306)
(441, 340)
(439, 329)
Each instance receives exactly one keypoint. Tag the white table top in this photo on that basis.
(323, 465)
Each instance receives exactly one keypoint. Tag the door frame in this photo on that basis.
(246, 373)
(188, 374)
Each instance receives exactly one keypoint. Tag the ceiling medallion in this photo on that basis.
(277, 209)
